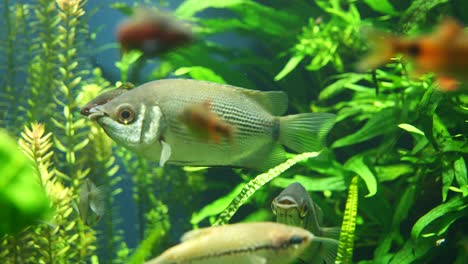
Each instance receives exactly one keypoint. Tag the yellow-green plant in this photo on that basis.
(346, 242)
(53, 240)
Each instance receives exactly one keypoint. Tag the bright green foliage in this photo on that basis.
(346, 242)
(22, 199)
(60, 238)
(396, 131)
(325, 41)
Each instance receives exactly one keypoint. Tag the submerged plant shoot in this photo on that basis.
(233, 131)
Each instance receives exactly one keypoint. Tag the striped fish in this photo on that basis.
(147, 121)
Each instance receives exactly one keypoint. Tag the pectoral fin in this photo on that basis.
(165, 153)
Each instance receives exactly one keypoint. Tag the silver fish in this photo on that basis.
(147, 121)
(293, 206)
(254, 243)
(91, 206)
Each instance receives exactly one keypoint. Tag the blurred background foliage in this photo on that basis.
(403, 138)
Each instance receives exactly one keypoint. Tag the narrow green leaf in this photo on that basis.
(382, 6)
(313, 183)
(340, 85)
(200, 73)
(190, 7)
(346, 242)
(380, 123)
(459, 167)
(358, 166)
(453, 205)
(411, 129)
(289, 67)
(215, 207)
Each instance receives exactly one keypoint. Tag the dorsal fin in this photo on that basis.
(193, 234)
(275, 102)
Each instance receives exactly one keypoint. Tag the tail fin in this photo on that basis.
(382, 49)
(305, 132)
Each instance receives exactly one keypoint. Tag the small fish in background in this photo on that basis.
(105, 97)
(146, 120)
(293, 206)
(202, 121)
(153, 32)
(253, 243)
(444, 52)
(91, 205)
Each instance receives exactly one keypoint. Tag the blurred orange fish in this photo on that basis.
(444, 52)
(201, 120)
(152, 32)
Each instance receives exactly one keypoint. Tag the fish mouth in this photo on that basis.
(94, 113)
(286, 202)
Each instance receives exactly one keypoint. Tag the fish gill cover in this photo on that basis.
(402, 136)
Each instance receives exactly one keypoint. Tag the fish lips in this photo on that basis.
(94, 113)
(286, 202)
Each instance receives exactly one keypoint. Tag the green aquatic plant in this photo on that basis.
(23, 200)
(325, 43)
(54, 239)
(346, 242)
(252, 186)
(403, 138)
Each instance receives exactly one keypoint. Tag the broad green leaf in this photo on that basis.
(151, 241)
(412, 250)
(411, 129)
(358, 166)
(392, 171)
(190, 7)
(340, 85)
(200, 73)
(459, 167)
(380, 123)
(313, 183)
(453, 205)
(22, 198)
(289, 67)
(405, 203)
(448, 175)
(382, 6)
(258, 216)
(346, 241)
(215, 207)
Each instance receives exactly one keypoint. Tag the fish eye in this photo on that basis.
(414, 49)
(296, 240)
(125, 115)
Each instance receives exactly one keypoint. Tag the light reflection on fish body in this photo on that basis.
(294, 206)
(255, 243)
(147, 121)
(444, 52)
